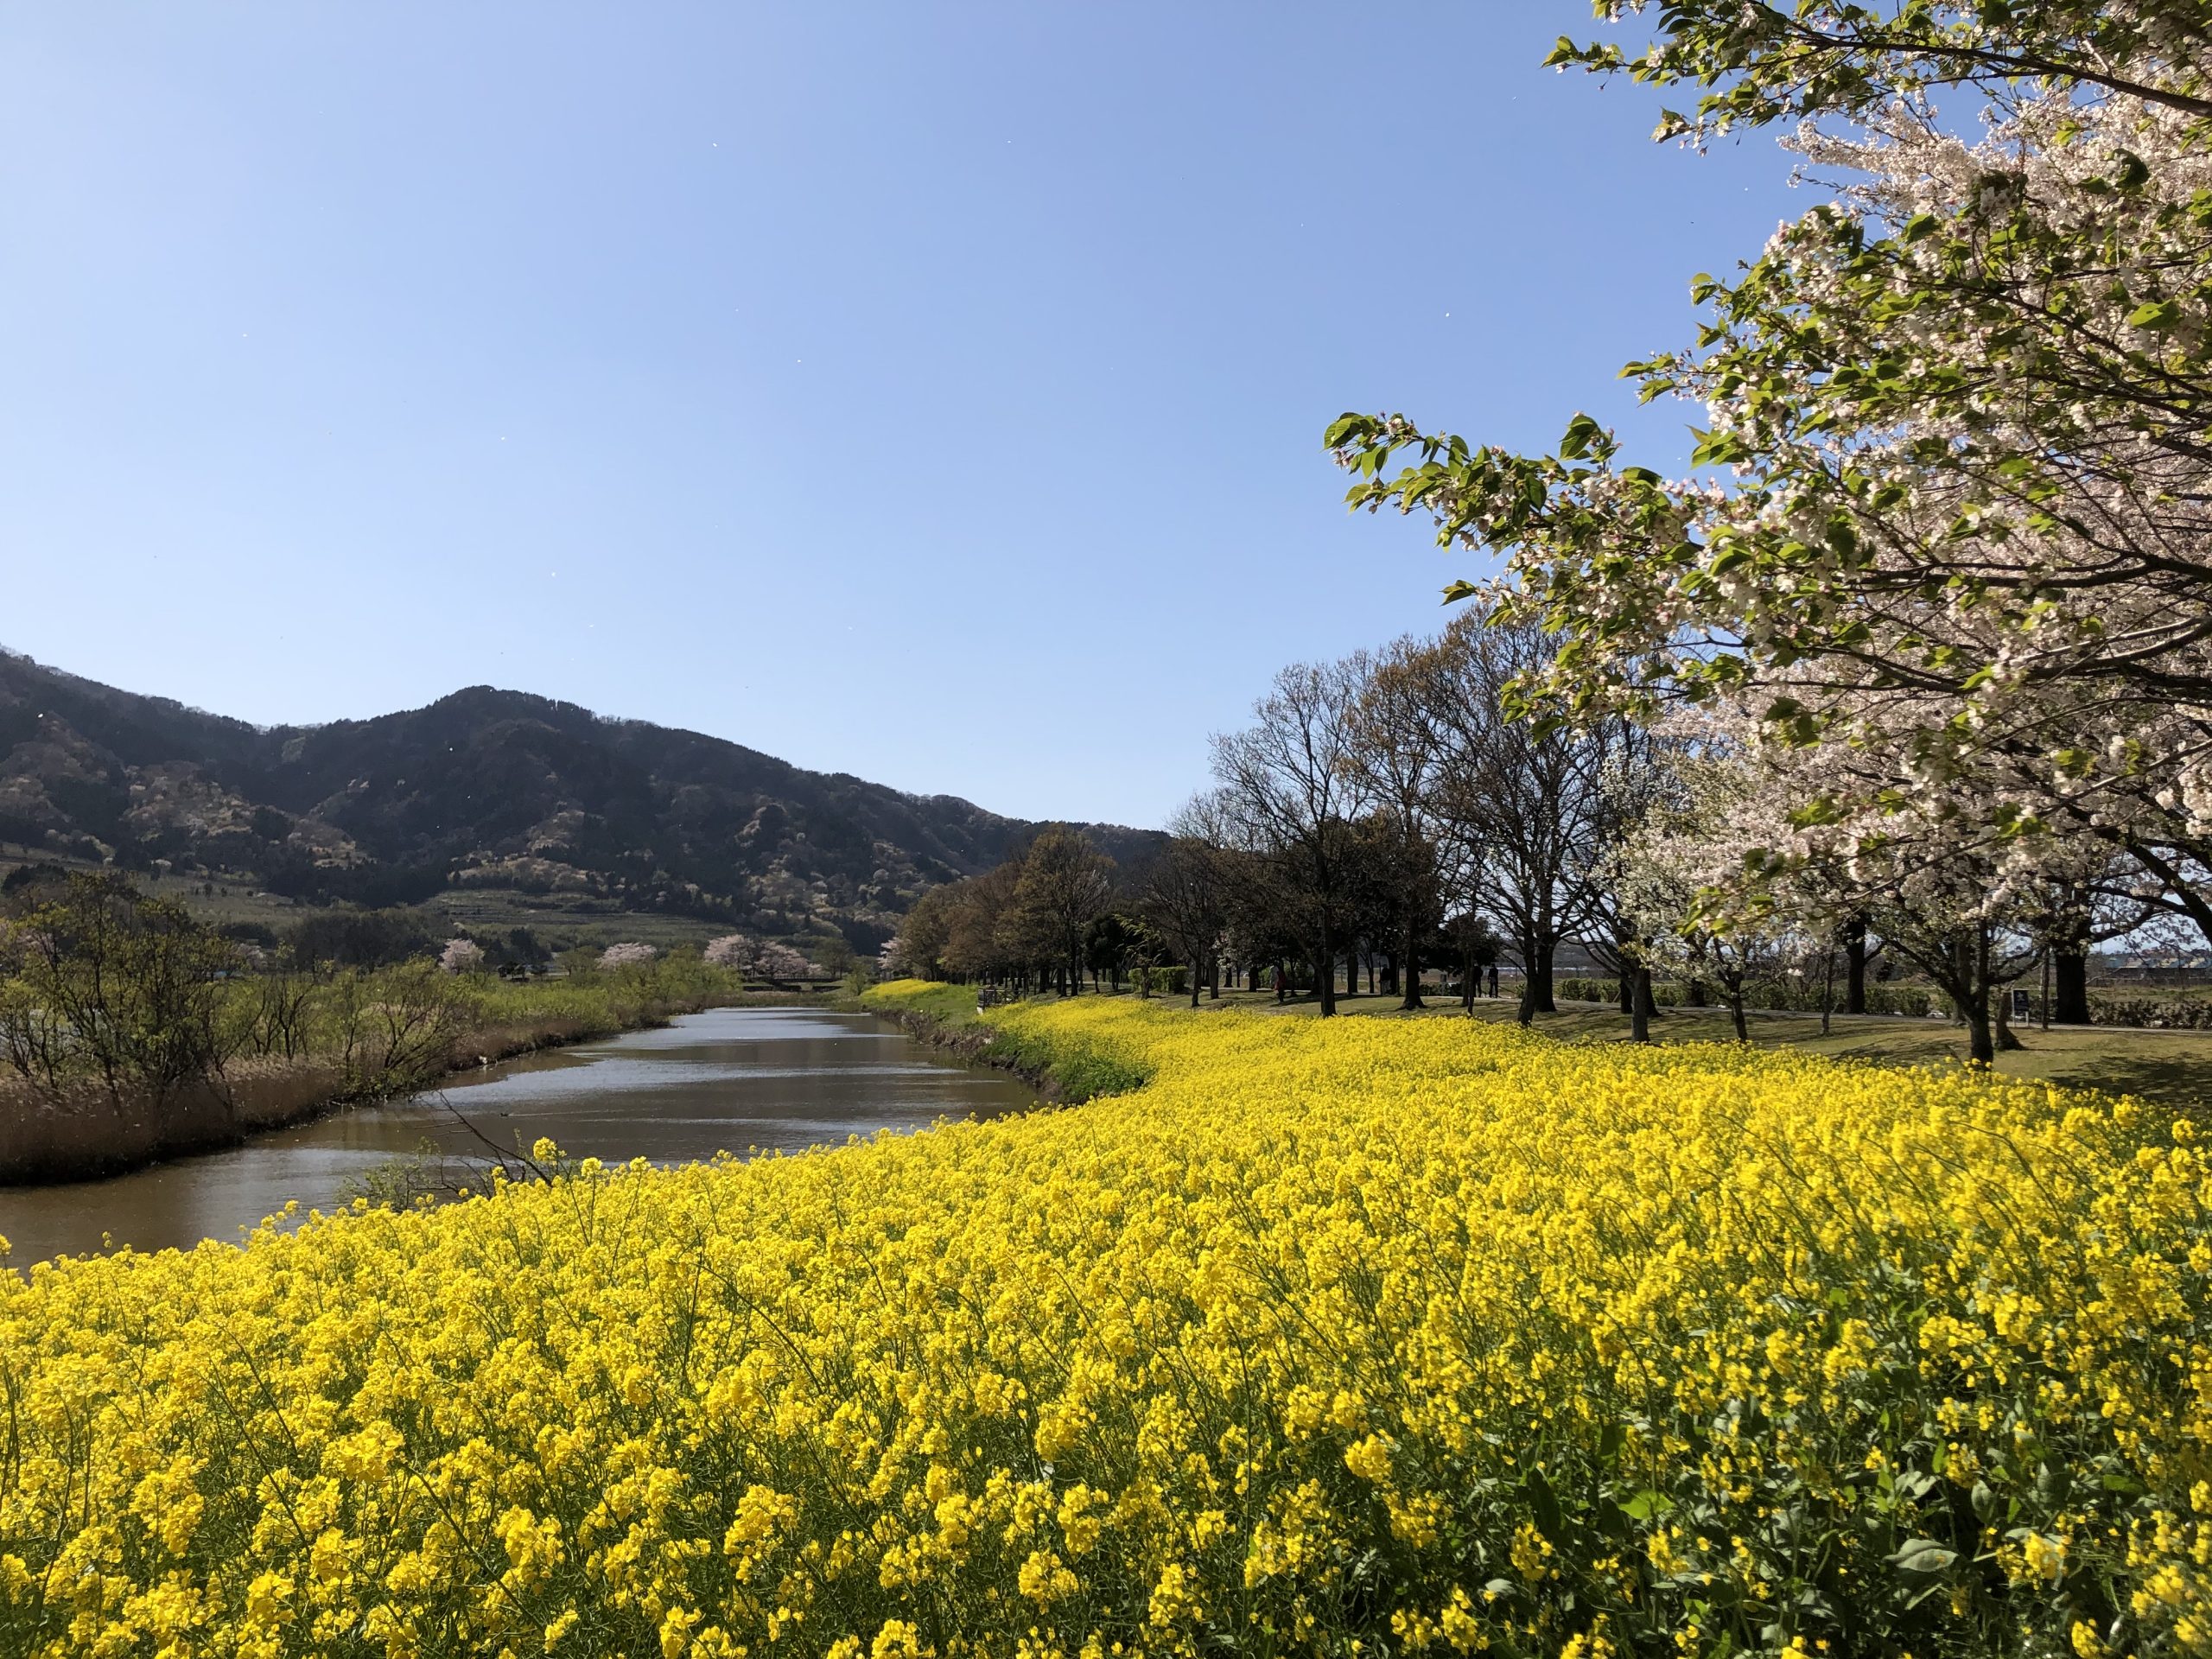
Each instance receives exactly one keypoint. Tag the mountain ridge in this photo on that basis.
(484, 788)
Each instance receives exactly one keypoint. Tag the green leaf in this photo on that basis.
(1648, 1506)
(1543, 1506)
(1581, 432)
(2161, 315)
(1341, 431)
(1460, 590)
(1921, 226)
(1923, 1557)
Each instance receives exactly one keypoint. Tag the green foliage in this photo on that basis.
(104, 984)
(102, 987)
(361, 938)
(1757, 64)
(1078, 1069)
(1169, 981)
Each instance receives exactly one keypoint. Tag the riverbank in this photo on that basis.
(355, 1041)
(726, 1082)
(945, 1017)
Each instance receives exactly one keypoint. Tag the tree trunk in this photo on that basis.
(2069, 998)
(1640, 1004)
(1539, 977)
(1736, 1012)
(1536, 979)
(1627, 984)
(2007, 1041)
(1981, 1046)
(1973, 961)
(1854, 965)
(1325, 972)
(1410, 987)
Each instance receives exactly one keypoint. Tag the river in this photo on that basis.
(728, 1080)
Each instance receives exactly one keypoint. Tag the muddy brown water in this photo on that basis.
(733, 1080)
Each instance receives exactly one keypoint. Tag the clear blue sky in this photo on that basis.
(928, 392)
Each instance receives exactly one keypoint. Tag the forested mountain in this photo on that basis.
(482, 789)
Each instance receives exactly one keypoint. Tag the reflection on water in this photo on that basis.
(730, 1080)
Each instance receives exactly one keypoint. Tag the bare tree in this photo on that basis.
(1183, 898)
(1533, 798)
(1393, 748)
(1065, 885)
(1289, 782)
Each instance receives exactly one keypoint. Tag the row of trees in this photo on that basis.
(1214, 906)
(1401, 808)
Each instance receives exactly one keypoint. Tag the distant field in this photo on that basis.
(561, 921)
(235, 898)
(558, 920)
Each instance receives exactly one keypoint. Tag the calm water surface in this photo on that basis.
(728, 1080)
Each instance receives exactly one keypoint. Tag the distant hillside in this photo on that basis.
(482, 789)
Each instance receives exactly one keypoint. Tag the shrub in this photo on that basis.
(2168, 1012)
(1775, 995)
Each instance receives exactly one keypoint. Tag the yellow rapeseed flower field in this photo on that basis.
(1360, 1335)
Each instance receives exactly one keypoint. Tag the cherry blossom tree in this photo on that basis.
(732, 951)
(1674, 876)
(783, 964)
(629, 955)
(1954, 509)
(461, 956)
(1733, 874)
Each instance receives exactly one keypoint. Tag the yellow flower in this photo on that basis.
(1318, 1294)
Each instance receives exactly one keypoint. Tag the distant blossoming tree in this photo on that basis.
(731, 951)
(781, 961)
(631, 955)
(461, 956)
(891, 961)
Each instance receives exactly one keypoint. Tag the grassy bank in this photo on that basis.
(289, 1047)
(1357, 1336)
(946, 1017)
